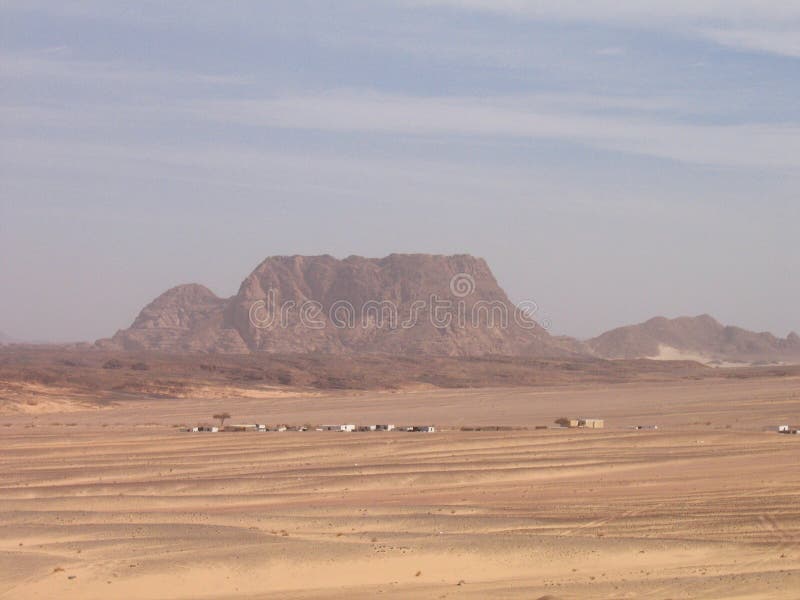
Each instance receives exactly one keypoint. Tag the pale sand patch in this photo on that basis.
(241, 392)
(37, 398)
(670, 353)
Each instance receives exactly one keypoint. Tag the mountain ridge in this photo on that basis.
(356, 305)
(702, 336)
(350, 297)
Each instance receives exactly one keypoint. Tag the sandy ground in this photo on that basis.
(117, 503)
(670, 353)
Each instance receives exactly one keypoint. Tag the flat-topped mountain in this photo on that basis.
(403, 303)
(700, 338)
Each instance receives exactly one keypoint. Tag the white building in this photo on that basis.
(348, 427)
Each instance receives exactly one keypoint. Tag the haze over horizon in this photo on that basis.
(611, 162)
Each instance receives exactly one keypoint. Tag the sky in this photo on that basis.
(612, 160)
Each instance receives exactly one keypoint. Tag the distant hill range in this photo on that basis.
(695, 338)
(5, 339)
(407, 304)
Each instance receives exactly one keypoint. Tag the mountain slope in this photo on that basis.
(403, 304)
(186, 318)
(700, 337)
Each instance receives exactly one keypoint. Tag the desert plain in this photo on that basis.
(117, 502)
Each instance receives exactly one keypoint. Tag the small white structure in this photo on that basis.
(424, 428)
(780, 428)
(205, 428)
(348, 427)
(261, 427)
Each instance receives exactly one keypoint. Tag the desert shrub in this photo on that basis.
(563, 421)
(140, 366)
(113, 364)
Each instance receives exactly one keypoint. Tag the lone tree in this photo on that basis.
(221, 417)
(563, 421)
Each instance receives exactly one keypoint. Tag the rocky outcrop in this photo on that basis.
(186, 318)
(403, 304)
(702, 338)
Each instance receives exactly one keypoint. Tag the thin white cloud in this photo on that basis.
(743, 145)
(771, 26)
(629, 124)
(611, 51)
(52, 64)
(633, 11)
(786, 43)
(547, 118)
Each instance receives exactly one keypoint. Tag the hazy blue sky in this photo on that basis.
(612, 160)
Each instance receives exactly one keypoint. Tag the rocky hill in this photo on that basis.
(699, 338)
(403, 304)
(408, 304)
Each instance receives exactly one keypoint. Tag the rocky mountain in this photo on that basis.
(403, 304)
(186, 318)
(408, 304)
(700, 338)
